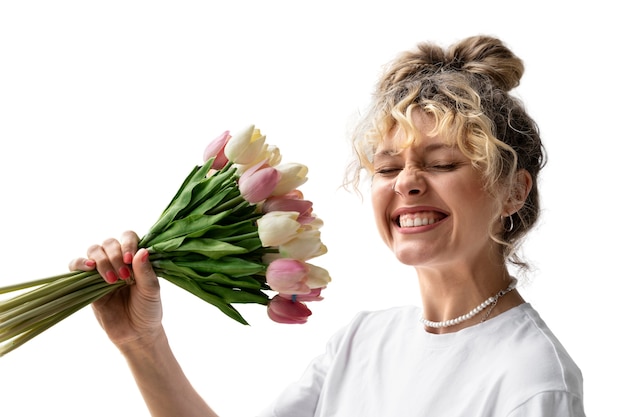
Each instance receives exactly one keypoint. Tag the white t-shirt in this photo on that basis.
(384, 364)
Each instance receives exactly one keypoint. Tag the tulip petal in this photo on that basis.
(215, 149)
(282, 310)
(278, 227)
(317, 277)
(288, 276)
(255, 186)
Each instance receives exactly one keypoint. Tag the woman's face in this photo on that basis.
(429, 202)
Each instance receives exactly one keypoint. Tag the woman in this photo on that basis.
(453, 160)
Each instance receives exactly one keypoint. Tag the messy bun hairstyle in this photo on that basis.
(466, 90)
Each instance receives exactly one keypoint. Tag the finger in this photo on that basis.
(129, 242)
(113, 250)
(145, 277)
(103, 264)
(82, 264)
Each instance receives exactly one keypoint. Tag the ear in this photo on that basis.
(518, 194)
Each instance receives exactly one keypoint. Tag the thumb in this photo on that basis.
(144, 275)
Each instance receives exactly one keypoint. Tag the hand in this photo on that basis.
(132, 314)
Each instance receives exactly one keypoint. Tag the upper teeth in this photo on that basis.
(414, 220)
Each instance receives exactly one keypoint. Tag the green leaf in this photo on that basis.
(184, 195)
(209, 186)
(211, 248)
(167, 267)
(196, 290)
(234, 267)
(251, 244)
(231, 232)
(218, 198)
(239, 296)
(189, 226)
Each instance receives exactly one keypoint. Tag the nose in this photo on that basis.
(409, 182)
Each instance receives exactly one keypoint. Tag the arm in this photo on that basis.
(163, 385)
(131, 317)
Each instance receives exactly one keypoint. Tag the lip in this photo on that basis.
(416, 210)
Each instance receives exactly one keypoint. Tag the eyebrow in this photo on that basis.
(427, 149)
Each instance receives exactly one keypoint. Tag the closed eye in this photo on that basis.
(387, 171)
(444, 167)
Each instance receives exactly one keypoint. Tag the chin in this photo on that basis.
(410, 257)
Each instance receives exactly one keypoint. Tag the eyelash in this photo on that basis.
(434, 167)
(445, 167)
(387, 171)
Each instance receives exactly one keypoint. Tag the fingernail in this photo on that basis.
(145, 256)
(124, 272)
(89, 263)
(128, 258)
(110, 277)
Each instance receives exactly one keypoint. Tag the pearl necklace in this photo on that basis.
(491, 301)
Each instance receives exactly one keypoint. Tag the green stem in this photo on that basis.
(240, 237)
(228, 205)
(60, 284)
(45, 324)
(35, 283)
(52, 304)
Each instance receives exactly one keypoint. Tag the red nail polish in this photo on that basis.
(89, 263)
(110, 277)
(128, 258)
(145, 256)
(124, 272)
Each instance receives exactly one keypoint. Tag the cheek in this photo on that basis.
(381, 196)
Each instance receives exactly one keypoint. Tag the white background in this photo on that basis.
(105, 106)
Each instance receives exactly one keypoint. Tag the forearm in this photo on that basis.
(163, 385)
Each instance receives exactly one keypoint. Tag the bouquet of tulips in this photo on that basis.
(237, 228)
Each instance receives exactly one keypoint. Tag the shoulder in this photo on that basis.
(535, 356)
(387, 324)
(396, 317)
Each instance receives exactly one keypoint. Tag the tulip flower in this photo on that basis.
(283, 310)
(272, 155)
(215, 149)
(305, 245)
(292, 175)
(257, 183)
(288, 276)
(278, 227)
(245, 147)
(317, 278)
(288, 203)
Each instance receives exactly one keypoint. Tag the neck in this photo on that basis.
(459, 292)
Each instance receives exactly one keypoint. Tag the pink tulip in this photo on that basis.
(258, 182)
(283, 310)
(289, 203)
(215, 149)
(288, 276)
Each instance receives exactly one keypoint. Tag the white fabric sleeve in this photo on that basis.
(300, 398)
(551, 404)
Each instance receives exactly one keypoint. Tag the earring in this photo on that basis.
(508, 226)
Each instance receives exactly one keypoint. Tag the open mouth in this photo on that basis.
(423, 218)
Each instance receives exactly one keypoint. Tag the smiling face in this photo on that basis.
(430, 203)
